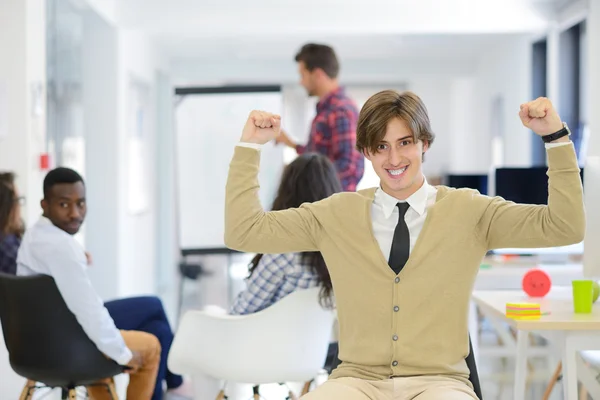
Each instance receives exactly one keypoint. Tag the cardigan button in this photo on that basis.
(396, 308)
(395, 337)
(397, 280)
(395, 364)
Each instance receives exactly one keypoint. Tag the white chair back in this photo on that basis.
(286, 342)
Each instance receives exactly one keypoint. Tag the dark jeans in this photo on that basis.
(146, 314)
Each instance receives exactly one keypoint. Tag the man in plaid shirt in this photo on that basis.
(333, 131)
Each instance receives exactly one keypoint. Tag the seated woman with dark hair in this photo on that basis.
(310, 177)
(11, 226)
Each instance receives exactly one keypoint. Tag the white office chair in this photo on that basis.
(286, 342)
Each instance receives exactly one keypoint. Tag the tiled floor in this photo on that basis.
(222, 283)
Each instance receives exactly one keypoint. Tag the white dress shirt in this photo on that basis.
(384, 215)
(384, 212)
(48, 250)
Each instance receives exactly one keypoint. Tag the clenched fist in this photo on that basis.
(540, 116)
(261, 127)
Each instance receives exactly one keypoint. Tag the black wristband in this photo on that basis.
(557, 135)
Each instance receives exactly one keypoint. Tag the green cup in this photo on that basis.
(583, 293)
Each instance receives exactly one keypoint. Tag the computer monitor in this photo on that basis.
(477, 182)
(529, 186)
(523, 185)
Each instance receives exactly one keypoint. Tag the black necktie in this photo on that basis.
(401, 242)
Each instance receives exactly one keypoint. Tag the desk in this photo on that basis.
(506, 273)
(571, 332)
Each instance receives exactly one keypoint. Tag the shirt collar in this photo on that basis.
(417, 201)
(44, 221)
(327, 99)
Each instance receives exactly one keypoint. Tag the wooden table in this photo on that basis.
(569, 331)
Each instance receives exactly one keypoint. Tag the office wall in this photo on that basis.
(105, 9)
(167, 243)
(424, 77)
(466, 145)
(504, 72)
(591, 260)
(22, 63)
(121, 239)
(22, 113)
(459, 96)
(138, 60)
(101, 115)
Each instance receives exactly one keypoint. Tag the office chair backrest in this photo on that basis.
(286, 342)
(44, 340)
(473, 375)
(470, 360)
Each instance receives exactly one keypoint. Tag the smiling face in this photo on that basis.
(398, 160)
(394, 132)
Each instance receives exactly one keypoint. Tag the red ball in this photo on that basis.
(536, 283)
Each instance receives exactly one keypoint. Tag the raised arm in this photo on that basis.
(505, 224)
(247, 226)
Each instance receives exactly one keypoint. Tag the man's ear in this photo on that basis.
(320, 74)
(44, 205)
(425, 148)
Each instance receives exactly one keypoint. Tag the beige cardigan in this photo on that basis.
(428, 334)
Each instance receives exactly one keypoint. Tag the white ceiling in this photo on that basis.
(348, 47)
(358, 29)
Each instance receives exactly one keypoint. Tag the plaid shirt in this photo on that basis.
(333, 134)
(9, 247)
(275, 276)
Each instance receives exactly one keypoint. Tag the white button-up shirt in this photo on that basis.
(384, 214)
(48, 250)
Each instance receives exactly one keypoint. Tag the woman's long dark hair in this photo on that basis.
(310, 177)
(8, 202)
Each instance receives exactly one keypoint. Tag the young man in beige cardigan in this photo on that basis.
(403, 257)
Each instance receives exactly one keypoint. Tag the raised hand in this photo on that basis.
(540, 116)
(261, 127)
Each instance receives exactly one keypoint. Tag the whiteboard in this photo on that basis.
(208, 127)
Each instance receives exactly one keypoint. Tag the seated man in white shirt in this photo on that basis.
(49, 248)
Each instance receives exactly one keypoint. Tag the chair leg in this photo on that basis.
(306, 388)
(28, 390)
(221, 395)
(112, 390)
(553, 381)
(292, 396)
(583, 393)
